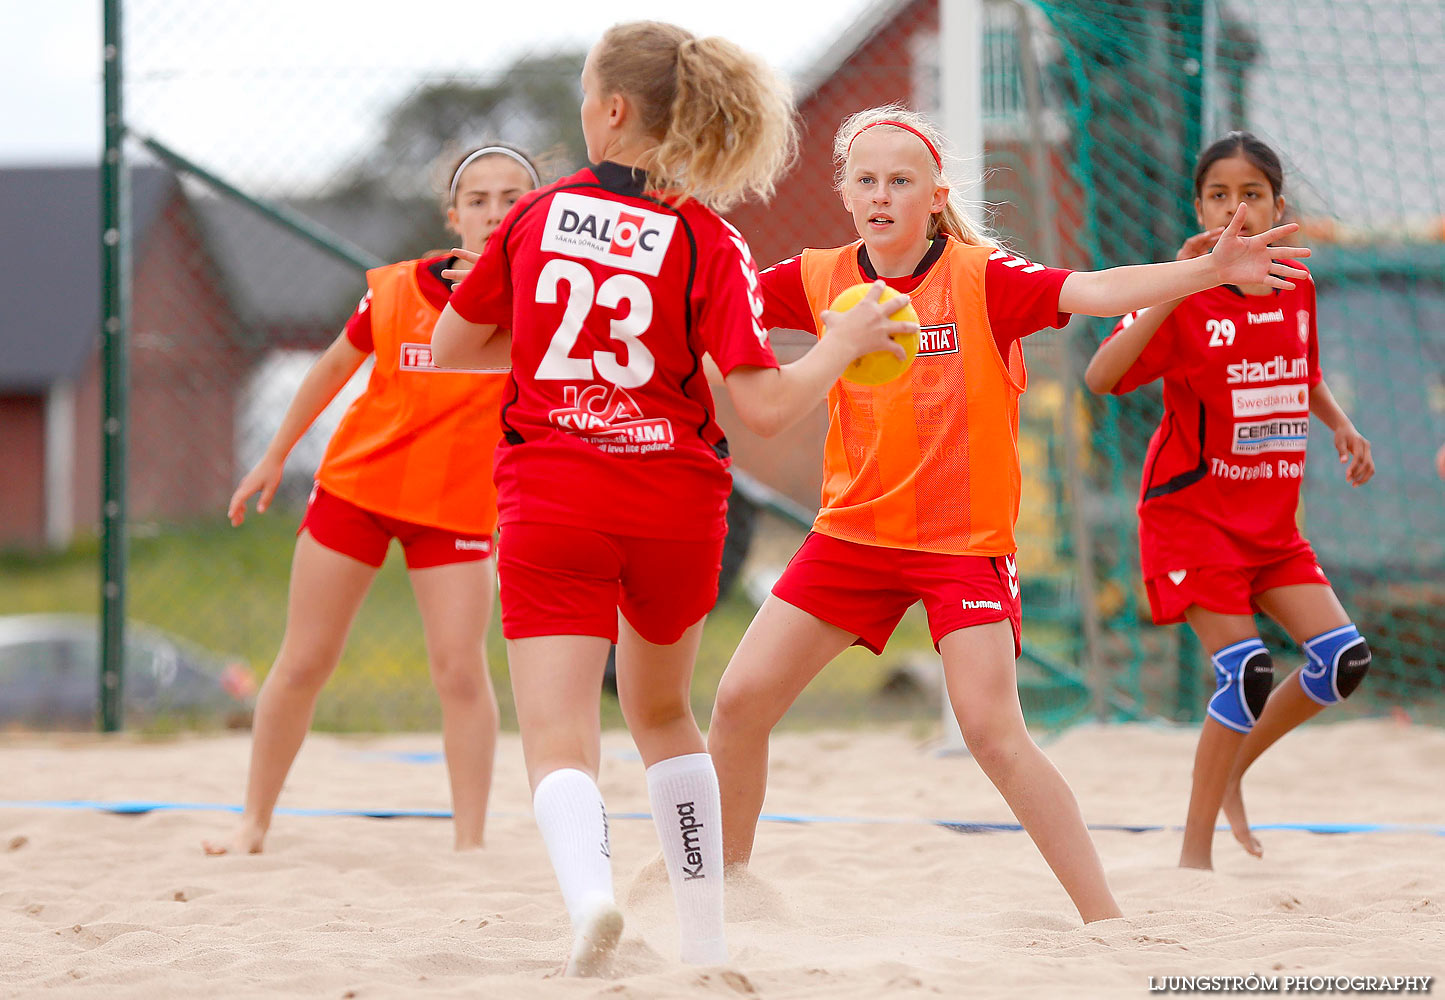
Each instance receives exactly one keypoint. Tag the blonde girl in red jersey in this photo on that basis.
(613, 480)
(1217, 513)
(921, 478)
(411, 460)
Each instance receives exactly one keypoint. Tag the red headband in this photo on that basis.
(938, 160)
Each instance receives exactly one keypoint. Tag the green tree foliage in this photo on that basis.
(532, 104)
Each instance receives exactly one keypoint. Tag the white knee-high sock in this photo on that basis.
(573, 820)
(688, 814)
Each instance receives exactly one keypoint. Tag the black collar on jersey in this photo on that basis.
(619, 179)
(441, 264)
(929, 259)
(1240, 292)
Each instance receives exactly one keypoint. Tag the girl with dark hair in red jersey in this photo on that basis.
(1218, 536)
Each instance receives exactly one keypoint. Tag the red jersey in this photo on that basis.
(613, 295)
(1021, 297)
(1222, 476)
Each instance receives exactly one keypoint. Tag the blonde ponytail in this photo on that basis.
(953, 220)
(723, 119)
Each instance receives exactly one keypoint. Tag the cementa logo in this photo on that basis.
(1279, 434)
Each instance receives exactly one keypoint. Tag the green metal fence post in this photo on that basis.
(1194, 80)
(115, 330)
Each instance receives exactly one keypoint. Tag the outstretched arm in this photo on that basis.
(324, 380)
(1350, 444)
(1118, 353)
(1236, 259)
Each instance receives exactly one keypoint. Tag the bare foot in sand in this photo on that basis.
(247, 840)
(1233, 807)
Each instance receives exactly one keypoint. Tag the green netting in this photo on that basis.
(1353, 97)
(1093, 114)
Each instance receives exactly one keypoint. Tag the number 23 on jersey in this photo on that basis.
(559, 363)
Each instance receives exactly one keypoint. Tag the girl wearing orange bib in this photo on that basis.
(921, 480)
(411, 460)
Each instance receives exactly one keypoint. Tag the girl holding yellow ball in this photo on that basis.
(921, 475)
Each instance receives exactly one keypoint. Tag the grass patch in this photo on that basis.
(225, 589)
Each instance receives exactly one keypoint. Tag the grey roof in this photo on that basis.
(50, 266)
(277, 279)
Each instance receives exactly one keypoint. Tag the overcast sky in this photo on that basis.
(278, 93)
(205, 70)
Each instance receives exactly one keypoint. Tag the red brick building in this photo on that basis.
(186, 355)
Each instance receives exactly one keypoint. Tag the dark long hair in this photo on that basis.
(1252, 148)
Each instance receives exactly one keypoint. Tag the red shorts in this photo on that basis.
(560, 580)
(354, 531)
(865, 589)
(1228, 590)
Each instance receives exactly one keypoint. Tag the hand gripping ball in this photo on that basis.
(879, 366)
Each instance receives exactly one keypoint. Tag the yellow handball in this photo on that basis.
(879, 366)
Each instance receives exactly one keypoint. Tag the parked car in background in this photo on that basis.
(50, 677)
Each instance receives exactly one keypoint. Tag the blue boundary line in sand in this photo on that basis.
(143, 807)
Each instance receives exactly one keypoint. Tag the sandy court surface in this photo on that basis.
(127, 906)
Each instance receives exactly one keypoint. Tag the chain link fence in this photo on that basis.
(242, 118)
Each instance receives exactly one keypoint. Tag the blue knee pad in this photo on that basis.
(1338, 660)
(1243, 675)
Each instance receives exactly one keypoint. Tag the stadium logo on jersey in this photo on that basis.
(607, 417)
(621, 236)
(1270, 317)
(1280, 434)
(1279, 367)
(1303, 319)
(938, 340)
(417, 358)
(1270, 399)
